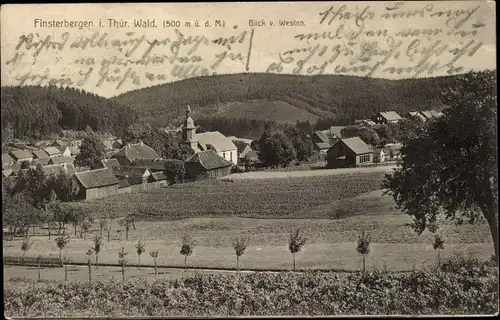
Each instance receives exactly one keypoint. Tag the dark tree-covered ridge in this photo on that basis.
(34, 111)
(346, 97)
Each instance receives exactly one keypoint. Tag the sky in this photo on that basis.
(467, 34)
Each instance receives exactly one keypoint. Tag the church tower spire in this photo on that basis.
(189, 131)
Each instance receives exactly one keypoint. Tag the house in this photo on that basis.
(378, 155)
(6, 173)
(242, 148)
(110, 163)
(215, 141)
(117, 144)
(247, 141)
(155, 165)
(7, 160)
(65, 151)
(415, 115)
(392, 151)
(431, 114)
(52, 152)
(134, 175)
(207, 164)
(160, 177)
(42, 162)
(387, 117)
(322, 147)
(133, 152)
(74, 150)
(330, 135)
(40, 154)
(94, 184)
(55, 169)
(16, 166)
(21, 155)
(364, 122)
(59, 160)
(349, 152)
(59, 144)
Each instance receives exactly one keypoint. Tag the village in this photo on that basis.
(130, 168)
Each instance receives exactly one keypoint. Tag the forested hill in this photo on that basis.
(254, 94)
(37, 111)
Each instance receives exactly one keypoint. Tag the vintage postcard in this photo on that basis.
(249, 159)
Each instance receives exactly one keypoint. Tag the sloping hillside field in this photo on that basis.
(267, 198)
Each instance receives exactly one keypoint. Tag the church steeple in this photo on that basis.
(189, 130)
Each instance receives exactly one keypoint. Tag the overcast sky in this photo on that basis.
(267, 41)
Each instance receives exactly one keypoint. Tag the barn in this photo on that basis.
(95, 183)
(130, 153)
(206, 165)
(349, 152)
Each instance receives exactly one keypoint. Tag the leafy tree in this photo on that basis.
(25, 246)
(454, 161)
(296, 241)
(438, 245)
(239, 245)
(186, 248)
(154, 255)
(61, 243)
(301, 142)
(122, 254)
(369, 136)
(92, 151)
(363, 247)
(175, 171)
(140, 249)
(97, 246)
(111, 217)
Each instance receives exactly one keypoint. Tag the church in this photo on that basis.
(215, 141)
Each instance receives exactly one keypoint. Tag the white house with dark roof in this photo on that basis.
(349, 152)
(95, 183)
(215, 141)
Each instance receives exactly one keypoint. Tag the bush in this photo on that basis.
(286, 293)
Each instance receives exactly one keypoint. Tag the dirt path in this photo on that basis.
(305, 173)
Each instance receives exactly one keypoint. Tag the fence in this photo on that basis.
(33, 261)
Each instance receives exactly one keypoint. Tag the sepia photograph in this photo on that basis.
(249, 159)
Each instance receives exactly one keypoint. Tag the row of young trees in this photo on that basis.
(296, 241)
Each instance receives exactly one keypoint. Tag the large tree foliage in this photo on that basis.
(301, 142)
(452, 166)
(91, 153)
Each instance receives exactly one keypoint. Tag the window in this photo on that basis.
(231, 156)
(224, 155)
(364, 158)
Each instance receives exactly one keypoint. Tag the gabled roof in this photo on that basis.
(52, 151)
(209, 160)
(96, 178)
(431, 114)
(156, 164)
(60, 143)
(57, 160)
(322, 135)
(240, 145)
(357, 145)
(159, 176)
(110, 163)
(323, 145)
(390, 115)
(40, 154)
(68, 168)
(74, 150)
(42, 162)
(133, 174)
(247, 141)
(7, 172)
(337, 130)
(137, 152)
(6, 159)
(21, 154)
(215, 139)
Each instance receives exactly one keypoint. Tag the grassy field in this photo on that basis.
(257, 198)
